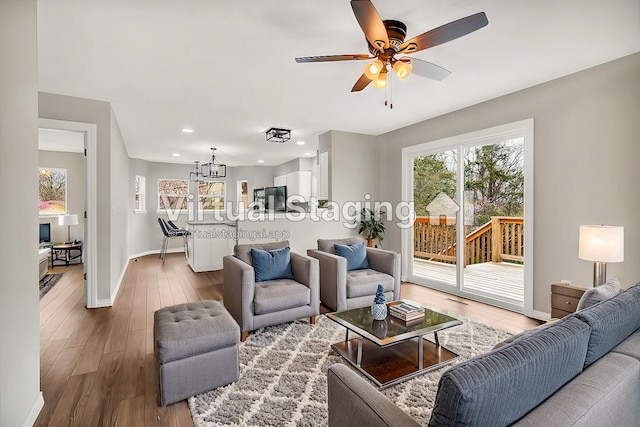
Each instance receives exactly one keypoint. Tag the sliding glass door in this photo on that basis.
(469, 195)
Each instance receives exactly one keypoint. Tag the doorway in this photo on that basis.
(472, 196)
(89, 213)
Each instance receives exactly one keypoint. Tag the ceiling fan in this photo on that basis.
(386, 40)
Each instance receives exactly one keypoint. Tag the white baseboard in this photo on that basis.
(540, 315)
(145, 253)
(32, 416)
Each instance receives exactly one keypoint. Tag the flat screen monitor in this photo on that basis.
(275, 198)
(45, 232)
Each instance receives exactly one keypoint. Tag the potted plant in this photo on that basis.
(371, 226)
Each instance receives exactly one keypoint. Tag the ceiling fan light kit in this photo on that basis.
(385, 40)
(278, 135)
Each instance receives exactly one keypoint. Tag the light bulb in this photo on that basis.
(402, 68)
(372, 69)
(381, 81)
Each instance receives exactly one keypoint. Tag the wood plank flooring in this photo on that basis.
(97, 366)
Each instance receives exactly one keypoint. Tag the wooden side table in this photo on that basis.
(564, 299)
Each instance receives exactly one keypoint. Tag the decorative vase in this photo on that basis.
(379, 311)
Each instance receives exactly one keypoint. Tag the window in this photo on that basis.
(52, 191)
(140, 204)
(211, 196)
(172, 194)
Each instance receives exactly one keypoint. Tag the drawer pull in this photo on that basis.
(568, 303)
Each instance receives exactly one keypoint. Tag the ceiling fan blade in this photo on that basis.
(329, 58)
(428, 70)
(445, 33)
(371, 23)
(362, 82)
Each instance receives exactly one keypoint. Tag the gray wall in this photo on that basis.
(586, 164)
(353, 165)
(20, 398)
(119, 192)
(76, 192)
(256, 177)
(138, 223)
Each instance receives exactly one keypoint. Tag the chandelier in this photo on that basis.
(208, 171)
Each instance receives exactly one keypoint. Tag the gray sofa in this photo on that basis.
(583, 370)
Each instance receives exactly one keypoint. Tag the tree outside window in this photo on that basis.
(211, 195)
(52, 191)
(172, 194)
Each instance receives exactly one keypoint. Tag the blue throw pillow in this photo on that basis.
(356, 255)
(272, 265)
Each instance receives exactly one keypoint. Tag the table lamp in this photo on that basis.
(601, 244)
(68, 220)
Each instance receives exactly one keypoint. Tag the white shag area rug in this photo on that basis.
(283, 376)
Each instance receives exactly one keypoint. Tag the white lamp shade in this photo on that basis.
(601, 243)
(68, 219)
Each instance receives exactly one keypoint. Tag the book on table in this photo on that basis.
(406, 312)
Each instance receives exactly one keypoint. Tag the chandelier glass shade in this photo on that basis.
(208, 171)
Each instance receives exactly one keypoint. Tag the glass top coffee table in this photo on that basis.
(391, 351)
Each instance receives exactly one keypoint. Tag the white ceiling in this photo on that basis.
(227, 70)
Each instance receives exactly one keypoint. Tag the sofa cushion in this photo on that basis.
(600, 293)
(355, 254)
(365, 282)
(272, 265)
(191, 329)
(278, 295)
(630, 347)
(605, 394)
(611, 322)
(499, 387)
(326, 245)
(243, 252)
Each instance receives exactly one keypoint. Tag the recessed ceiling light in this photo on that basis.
(187, 130)
(308, 154)
(176, 154)
(300, 142)
(260, 161)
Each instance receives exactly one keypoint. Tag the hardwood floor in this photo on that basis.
(97, 366)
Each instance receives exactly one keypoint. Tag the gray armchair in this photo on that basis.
(255, 305)
(343, 290)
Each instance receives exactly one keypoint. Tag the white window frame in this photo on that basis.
(140, 184)
(160, 195)
(523, 128)
(66, 187)
(224, 197)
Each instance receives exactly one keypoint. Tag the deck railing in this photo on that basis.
(501, 239)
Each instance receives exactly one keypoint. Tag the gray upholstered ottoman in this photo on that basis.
(196, 346)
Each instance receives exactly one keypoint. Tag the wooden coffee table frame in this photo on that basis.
(391, 361)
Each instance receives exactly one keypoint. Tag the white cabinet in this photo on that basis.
(323, 171)
(298, 183)
(208, 243)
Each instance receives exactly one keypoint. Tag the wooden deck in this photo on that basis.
(502, 281)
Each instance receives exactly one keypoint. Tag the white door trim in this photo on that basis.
(90, 245)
